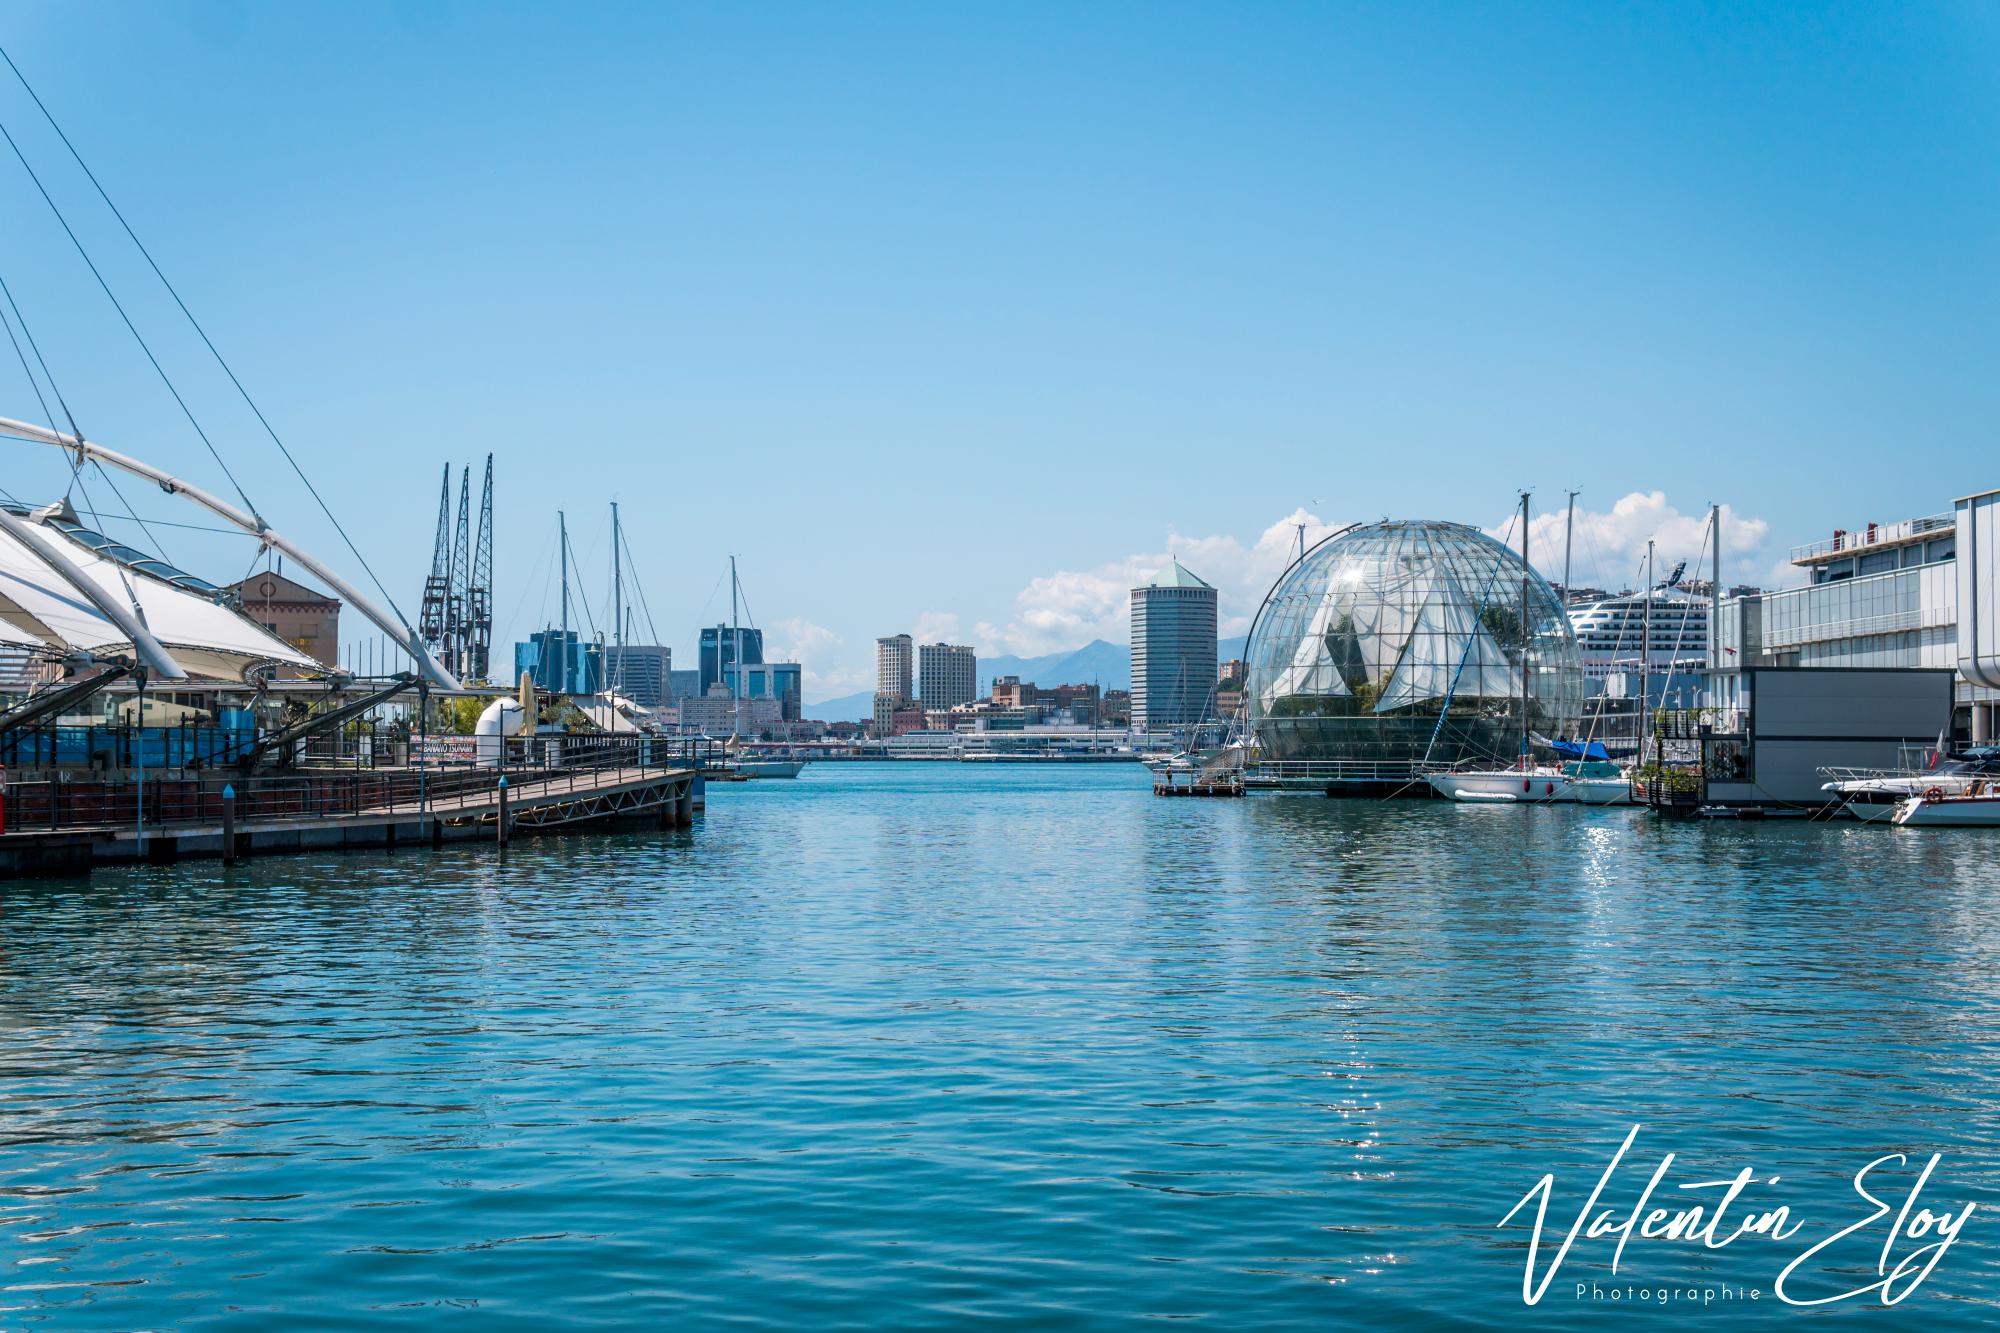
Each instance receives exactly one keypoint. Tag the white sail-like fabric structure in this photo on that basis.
(1450, 652)
(42, 611)
(1311, 670)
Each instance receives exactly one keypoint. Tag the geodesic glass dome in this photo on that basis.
(1396, 644)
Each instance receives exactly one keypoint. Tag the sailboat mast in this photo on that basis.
(1527, 577)
(1646, 658)
(617, 600)
(736, 635)
(1715, 588)
(1569, 534)
(562, 541)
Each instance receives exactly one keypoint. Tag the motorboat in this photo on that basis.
(1876, 796)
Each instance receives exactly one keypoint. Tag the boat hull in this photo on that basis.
(1951, 812)
(1599, 791)
(1878, 800)
(771, 768)
(1498, 786)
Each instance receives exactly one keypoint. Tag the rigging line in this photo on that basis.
(163, 523)
(582, 597)
(541, 561)
(227, 369)
(40, 360)
(117, 566)
(76, 463)
(1478, 618)
(640, 588)
(129, 325)
(33, 383)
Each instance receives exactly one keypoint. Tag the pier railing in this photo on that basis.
(179, 798)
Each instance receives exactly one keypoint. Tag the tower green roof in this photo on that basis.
(1176, 575)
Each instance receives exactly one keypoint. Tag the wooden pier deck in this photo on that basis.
(1194, 784)
(537, 801)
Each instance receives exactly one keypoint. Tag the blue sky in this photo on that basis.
(951, 318)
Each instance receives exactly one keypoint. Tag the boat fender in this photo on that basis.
(1526, 786)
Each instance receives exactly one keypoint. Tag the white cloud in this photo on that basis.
(1609, 549)
(936, 627)
(807, 643)
(1069, 608)
(798, 640)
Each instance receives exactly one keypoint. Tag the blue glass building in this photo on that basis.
(560, 663)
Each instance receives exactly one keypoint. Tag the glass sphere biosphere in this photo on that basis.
(1398, 644)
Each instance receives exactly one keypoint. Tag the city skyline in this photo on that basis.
(1192, 284)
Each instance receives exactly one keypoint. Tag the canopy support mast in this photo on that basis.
(393, 626)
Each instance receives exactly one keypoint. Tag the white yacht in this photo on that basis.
(1876, 796)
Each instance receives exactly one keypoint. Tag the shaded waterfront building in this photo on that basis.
(640, 672)
(1173, 650)
(683, 684)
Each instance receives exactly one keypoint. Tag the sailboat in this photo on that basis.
(1525, 780)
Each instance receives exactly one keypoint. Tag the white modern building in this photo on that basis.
(1173, 650)
(947, 675)
(895, 666)
(1886, 595)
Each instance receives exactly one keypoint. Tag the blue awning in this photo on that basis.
(1580, 749)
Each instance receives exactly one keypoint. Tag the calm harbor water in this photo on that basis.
(923, 1046)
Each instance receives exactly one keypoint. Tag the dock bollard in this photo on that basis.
(503, 810)
(228, 824)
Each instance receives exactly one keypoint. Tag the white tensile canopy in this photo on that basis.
(41, 611)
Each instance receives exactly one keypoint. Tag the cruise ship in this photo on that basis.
(1610, 630)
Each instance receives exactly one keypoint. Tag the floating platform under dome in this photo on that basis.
(1394, 647)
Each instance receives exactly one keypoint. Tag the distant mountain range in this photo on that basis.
(1108, 665)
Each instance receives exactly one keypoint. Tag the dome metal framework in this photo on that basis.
(1400, 645)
